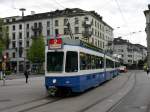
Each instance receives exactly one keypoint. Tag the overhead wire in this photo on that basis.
(122, 15)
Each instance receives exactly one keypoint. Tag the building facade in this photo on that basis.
(130, 53)
(69, 23)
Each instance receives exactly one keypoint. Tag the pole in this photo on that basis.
(148, 43)
(104, 61)
(147, 29)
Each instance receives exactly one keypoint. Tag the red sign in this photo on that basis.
(55, 43)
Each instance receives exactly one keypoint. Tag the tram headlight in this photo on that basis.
(54, 81)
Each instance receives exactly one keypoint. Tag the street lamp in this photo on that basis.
(147, 29)
(23, 50)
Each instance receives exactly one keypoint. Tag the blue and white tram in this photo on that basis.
(77, 68)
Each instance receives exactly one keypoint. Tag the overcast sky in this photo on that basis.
(125, 16)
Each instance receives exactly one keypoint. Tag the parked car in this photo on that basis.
(123, 69)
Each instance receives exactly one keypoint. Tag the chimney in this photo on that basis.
(32, 12)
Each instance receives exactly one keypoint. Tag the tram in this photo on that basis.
(75, 66)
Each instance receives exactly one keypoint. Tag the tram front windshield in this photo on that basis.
(55, 61)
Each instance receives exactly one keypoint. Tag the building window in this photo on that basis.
(56, 23)
(65, 22)
(7, 28)
(130, 56)
(13, 36)
(130, 61)
(76, 21)
(14, 28)
(95, 23)
(35, 25)
(20, 26)
(48, 32)
(20, 44)
(13, 44)
(48, 24)
(40, 25)
(76, 30)
(27, 43)
(13, 19)
(7, 20)
(92, 40)
(28, 34)
(27, 26)
(103, 44)
(56, 32)
(13, 54)
(120, 50)
(76, 37)
(35, 34)
(20, 35)
(66, 31)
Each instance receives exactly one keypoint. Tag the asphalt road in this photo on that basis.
(138, 99)
(17, 96)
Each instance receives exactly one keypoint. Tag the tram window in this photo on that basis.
(88, 61)
(55, 61)
(99, 62)
(109, 63)
(71, 61)
(83, 61)
(93, 62)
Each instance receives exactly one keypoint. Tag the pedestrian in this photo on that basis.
(26, 75)
(147, 70)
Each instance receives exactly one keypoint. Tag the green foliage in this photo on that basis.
(4, 39)
(36, 53)
(1, 48)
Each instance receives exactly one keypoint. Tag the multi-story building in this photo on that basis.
(130, 53)
(69, 23)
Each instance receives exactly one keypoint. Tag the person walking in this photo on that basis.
(26, 75)
(147, 70)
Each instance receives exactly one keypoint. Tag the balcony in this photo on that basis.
(87, 34)
(37, 29)
(87, 24)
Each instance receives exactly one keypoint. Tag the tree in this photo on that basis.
(4, 39)
(36, 53)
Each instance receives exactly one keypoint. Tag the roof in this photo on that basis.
(60, 13)
(120, 41)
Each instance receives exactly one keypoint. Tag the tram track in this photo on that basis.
(29, 106)
(45, 101)
(122, 99)
(106, 97)
(40, 105)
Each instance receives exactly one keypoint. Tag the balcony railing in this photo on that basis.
(35, 28)
(87, 23)
(87, 34)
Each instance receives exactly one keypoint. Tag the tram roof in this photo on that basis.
(81, 43)
(78, 42)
